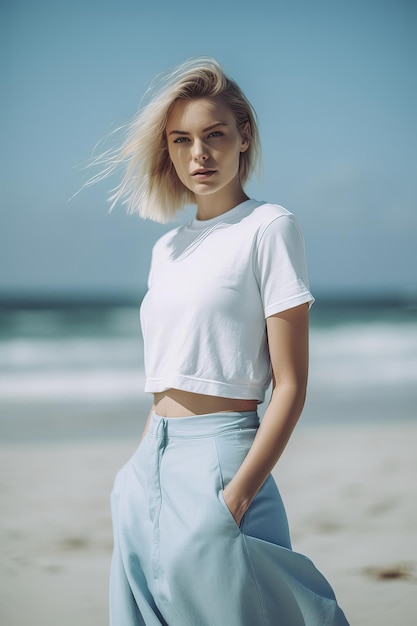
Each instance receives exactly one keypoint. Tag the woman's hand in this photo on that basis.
(236, 505)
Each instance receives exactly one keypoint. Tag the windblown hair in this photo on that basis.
(150, 185)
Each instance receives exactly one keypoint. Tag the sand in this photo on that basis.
(350, 496)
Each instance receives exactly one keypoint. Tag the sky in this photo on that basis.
(334, 86)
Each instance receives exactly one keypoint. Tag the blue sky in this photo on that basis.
(334, 86)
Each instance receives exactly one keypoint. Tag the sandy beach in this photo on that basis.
(350, 497)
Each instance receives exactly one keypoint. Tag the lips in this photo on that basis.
(202, 173)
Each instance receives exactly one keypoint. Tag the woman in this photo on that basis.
(201, 535)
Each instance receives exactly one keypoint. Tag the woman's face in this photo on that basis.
(204, 144)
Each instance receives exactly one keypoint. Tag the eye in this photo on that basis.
(180, 140)
(216, 133)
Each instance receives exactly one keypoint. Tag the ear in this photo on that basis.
(246, 136)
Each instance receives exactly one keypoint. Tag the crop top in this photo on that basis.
(211, 285)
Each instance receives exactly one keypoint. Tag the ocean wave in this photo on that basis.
(364, 354)
(76, 364)
(93, 385)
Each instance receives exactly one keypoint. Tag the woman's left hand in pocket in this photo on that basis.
(235, 505)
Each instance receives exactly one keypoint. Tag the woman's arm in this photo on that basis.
(288, 347)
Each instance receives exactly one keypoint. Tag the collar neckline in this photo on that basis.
(227, 216)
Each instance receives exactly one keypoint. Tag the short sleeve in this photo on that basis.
(280, 266)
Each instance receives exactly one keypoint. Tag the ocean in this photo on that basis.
(77, 372)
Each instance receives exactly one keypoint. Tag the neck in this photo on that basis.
(220, 202)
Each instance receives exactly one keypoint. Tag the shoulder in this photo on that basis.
(269, 211)
(265, 213)
(274, 219)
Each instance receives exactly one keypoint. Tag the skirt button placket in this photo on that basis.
(156, 496)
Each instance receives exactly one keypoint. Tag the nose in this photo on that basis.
(199, 151)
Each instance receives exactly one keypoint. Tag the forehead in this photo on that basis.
(189, 114)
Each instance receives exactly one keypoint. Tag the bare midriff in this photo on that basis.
(178, 403)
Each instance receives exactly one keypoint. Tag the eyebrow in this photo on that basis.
(183, 132)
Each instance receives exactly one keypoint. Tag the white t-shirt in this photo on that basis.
(212, 283)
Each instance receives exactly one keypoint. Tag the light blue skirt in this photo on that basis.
(179, 557)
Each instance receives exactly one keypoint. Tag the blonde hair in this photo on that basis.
(150, 185)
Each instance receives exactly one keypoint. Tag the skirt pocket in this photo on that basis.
(231, 450)
(229, 513)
